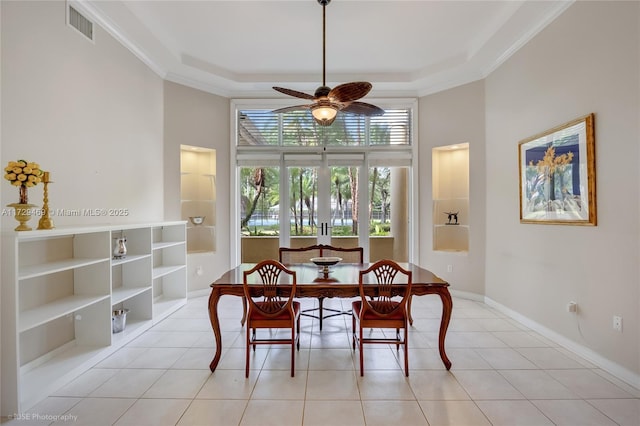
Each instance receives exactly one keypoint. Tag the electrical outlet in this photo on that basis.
(449, 268)
(572, 307)
(617, 323)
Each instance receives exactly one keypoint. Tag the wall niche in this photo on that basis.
(451, 197)
(198, 197)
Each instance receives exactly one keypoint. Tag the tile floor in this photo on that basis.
(502, 374)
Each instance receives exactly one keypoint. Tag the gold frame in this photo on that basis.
(558, 175)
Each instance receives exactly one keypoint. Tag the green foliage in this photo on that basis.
(379, 229)
(261, 231)
(341, 231)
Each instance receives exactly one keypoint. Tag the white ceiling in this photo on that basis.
(242, 48)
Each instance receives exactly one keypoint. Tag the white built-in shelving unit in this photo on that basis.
(59, 289)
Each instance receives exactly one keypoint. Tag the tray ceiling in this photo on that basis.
(242, 48)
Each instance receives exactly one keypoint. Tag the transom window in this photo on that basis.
(298, 128)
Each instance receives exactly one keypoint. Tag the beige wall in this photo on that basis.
(1, 162)
(193, 117)
(451, 117)
(90, 113)
(97, 118)
(585, 61)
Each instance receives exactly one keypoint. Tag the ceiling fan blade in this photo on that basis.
(294, 93)
(291, 108)
(362, 108)
(350, 91)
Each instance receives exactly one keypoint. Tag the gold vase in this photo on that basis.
(22, 215)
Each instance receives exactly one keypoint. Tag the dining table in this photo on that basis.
(341, 281)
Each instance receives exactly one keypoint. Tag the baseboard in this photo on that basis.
(629, 377)
(198, 293)
(466, 295)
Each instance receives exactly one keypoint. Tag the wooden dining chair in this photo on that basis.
(348, 255)
(270, 307)
(382, 310)
(290, 255)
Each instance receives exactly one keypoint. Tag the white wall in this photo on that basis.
(94, 116)
(452, 117)
(91, 114)
(585, 61)
(193, 117)
(1, 162)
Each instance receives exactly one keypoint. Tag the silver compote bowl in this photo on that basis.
(325, 262)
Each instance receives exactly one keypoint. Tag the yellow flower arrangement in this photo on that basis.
(23, 175)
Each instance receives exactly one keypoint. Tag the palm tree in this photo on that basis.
(257, 183)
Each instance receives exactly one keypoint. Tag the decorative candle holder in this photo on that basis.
(45, 221)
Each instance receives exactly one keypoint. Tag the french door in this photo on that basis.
(342, 199)
(324, 199)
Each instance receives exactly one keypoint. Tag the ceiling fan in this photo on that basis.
(327, 101)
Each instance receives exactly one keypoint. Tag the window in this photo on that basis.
(297, 182)
(259, 127)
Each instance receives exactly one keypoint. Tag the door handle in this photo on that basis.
(324, 228)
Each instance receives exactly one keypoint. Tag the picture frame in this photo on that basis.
(558, 175)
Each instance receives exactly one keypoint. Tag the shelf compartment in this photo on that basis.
(130, 278)
(169, 292)
(162, 245)
(169, 259)
(163, 270)
(39, 256)
(86, 325)
(35, 317)
(129, 258)
(134, 327)
(54, 294)
(139, 316)
(121, 294)
(41, 381)
(168, 234)
(138, 243)
(33, 271)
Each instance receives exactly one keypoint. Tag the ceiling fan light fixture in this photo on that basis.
(324, 114)
(327, 101)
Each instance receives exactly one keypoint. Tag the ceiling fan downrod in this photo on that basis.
(327, 102)
(324, 4)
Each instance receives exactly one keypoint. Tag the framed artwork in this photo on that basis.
(558, 175)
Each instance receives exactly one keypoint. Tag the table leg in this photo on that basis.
(409, 309)
(244, 310)
(447, 307)
(215, 324)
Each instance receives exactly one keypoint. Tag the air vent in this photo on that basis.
(80, 23)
